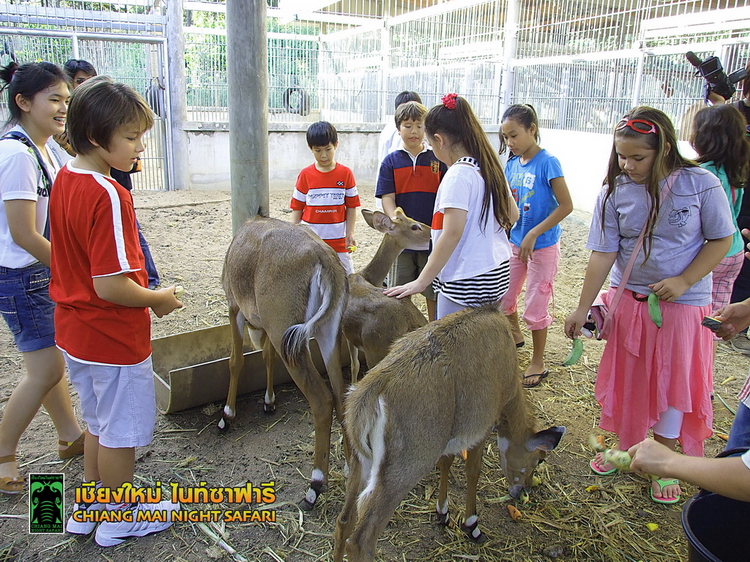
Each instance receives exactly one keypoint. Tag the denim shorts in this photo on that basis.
(26, 306)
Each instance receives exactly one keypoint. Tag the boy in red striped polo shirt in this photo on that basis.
(325, 197)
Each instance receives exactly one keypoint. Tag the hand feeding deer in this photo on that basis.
(288, 285)
(372, 321)
(440, 391)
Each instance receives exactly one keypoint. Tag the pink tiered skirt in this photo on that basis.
(645, 369)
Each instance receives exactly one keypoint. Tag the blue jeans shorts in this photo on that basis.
(26, 306)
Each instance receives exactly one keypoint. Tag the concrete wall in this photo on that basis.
(208, 150)
(583, 156)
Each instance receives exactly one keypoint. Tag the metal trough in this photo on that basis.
(192, 369)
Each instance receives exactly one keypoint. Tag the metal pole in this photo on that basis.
(247, 78)
(178, 156)
(638, 79)
(510, 46)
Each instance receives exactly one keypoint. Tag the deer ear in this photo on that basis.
(367, 214)
(545, 440)
(381, 222)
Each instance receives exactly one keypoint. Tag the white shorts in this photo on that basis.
(118, 403)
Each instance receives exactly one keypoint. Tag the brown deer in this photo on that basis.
(288, 286)
(372, 321)
(440, 391)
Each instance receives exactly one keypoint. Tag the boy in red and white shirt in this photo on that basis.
(100, 285)
(325, 197)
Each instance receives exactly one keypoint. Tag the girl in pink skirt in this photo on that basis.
(650, 377)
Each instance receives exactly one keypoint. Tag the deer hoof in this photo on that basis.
(443, 519)
(269, 409)
(227, 417)
(473, 532)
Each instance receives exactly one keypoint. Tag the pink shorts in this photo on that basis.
(723, 277)
(539, 275)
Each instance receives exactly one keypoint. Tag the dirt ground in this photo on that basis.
(572, 515)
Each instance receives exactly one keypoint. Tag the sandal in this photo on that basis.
(595, 467)
(541, 376)
(74, 448)
(662, 484)
(9, 484)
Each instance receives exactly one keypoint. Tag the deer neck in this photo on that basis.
(375, 271)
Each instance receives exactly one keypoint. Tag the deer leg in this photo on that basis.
(377, 507)
(348, 516)
(269, 358)
(329, 341)
(441, 507)
(311, 384)
(470, 525)
(236, 362)
(354, 365)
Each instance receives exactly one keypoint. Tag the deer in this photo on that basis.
(372, 321)
(287, 285)
(440, 391)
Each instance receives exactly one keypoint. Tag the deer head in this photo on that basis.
(520, 459)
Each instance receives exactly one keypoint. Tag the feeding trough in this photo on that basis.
(192, 368)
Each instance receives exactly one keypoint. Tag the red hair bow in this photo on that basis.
(449, 100)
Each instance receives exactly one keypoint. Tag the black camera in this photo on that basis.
(716, 80)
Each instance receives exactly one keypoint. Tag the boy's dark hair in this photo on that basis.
(98, 108)
(28, 80)
(72, 66)
(410, 110)
(719, 137)
(525, 115)
(406, 96)
(321, 133)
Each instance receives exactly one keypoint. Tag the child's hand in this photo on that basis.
(526, 249)
(167, 302)
(350, 241)
(671, 288)
(734, 318)
(574, 322)
(651, 457)
(402, 291)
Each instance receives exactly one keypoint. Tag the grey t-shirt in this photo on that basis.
(695, 210)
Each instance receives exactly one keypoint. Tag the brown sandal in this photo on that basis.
(74, 448)
(8, 484)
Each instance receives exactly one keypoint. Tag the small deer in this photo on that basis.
(440, 391)
(372, 321)
(288, 285)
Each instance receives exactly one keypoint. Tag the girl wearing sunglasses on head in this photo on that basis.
(673, 218)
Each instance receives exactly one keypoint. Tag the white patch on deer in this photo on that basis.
(442, 509)
(460, 444)
(377, 444)
(503, 443)
(311, 496)
(317, 475)
(228, 412)
(270, 397)
(470, 522)
(222, 424)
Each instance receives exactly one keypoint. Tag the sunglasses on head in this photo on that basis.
(638, 125)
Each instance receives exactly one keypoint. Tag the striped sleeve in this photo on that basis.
(299, 196)
(113, 245)
(352, 195)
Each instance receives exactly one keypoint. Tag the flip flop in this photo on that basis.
(12, 486)
(662, 483)
(541, 376)
(594, 467)
(73, 448)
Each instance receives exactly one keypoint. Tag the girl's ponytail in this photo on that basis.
(455, 118)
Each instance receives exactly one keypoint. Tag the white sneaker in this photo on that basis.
(113, 533)
(82, 527)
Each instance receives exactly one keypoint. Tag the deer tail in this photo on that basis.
(325, 305)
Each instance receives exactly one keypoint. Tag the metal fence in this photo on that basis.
(124, 40)
(582, 64)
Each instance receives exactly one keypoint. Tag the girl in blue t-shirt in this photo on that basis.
(543, 199)
(719, 140)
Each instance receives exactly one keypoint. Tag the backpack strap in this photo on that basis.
(46, 179)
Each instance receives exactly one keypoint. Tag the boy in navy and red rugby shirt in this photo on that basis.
(325, 197)
(409, 178)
